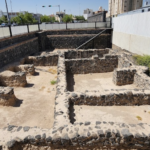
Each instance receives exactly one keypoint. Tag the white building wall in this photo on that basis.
(131, 32)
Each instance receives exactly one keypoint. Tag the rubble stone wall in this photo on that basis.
(9, 78)
(83, 66)
(12, 53)
(46, 60)
(112, 98)
(71, 54)
(124, 76)
(16, 39)
(74, 41)
(28, 69)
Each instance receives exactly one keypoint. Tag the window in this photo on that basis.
(149, 9)
(142, 10)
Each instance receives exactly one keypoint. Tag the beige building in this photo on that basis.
(122, 6)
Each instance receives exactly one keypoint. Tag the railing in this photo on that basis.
(17, 30)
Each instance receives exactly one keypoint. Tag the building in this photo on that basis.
(100, 10)
(121, 6)
(87, 13)
(59, 16)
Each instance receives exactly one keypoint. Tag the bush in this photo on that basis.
(53, 82)
(143, 60)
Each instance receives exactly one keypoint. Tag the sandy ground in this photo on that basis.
(97, 81)
(120, 114)
(35, 105)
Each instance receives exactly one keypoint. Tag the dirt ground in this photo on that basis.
(35, 105)
(120, 114)
(97, 81)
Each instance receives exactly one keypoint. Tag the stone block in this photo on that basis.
(7, 96)
(9, 78)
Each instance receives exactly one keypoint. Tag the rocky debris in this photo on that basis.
(7, 96)
(9, 78)
(28, 69)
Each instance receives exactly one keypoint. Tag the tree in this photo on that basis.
(46, 18)
(26, 18)
(67, 18)
(3, 19)
(79, 18)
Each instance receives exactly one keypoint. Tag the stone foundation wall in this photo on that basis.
(99, 65)
(12, 53)
(28, 69)
(112, 98)
(124, 76)
(71, 54)
(45, 60)
(74, 41)
(7, 97)
(9, 78)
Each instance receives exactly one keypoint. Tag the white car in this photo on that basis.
(4, 25)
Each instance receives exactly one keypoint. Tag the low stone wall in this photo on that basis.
(28, 69)
(12, 53)
(44, 60)
(112, 98)
(7, 97)
(74, 41)
(98, 65)
(124, 76)
(71, 54)
(9, 78)
(142, 80)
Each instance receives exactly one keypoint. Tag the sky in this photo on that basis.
(74, 7)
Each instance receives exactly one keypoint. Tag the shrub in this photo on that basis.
(143, 60)
(53, 82)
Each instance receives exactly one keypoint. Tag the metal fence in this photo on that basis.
(17, 30)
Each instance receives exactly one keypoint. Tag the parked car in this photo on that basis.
(4, 25)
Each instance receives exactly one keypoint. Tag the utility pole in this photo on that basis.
(7, 13)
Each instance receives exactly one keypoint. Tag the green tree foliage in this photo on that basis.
(26, 18)
(143, 60)
(67, 18)
(3, 19)
(79, 18)
(46, 18)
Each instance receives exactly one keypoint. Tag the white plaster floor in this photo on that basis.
(35, 106)
(97, 81)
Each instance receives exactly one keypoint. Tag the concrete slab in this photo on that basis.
(97, 81)
(35, 106)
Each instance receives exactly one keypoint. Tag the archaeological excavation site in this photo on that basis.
(58, 91)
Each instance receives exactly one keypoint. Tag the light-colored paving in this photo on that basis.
(120, 114)
(97, 81)
(35, 105)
